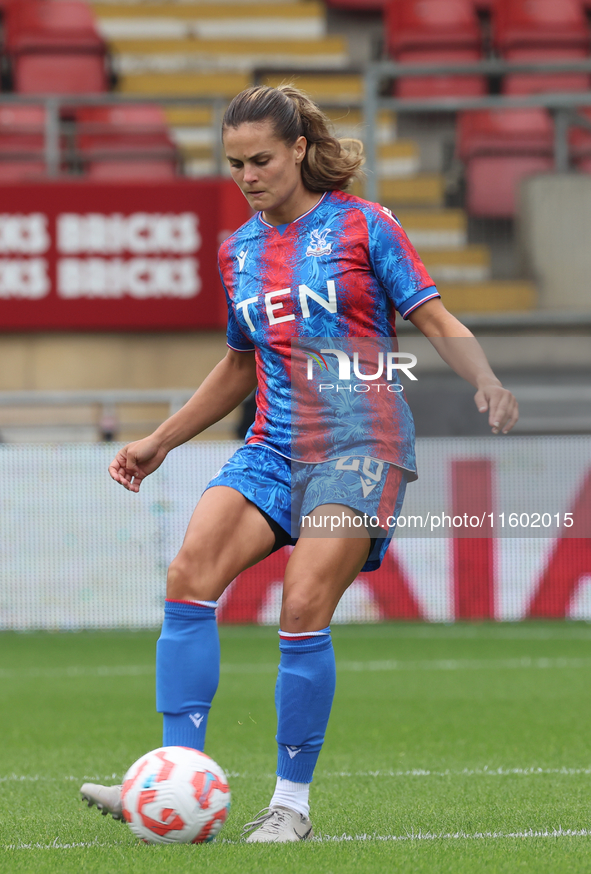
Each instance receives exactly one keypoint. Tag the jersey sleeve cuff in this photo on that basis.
(420, 297)
(238, 349)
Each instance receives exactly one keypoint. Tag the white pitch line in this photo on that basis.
(486, 771)
(465, 664)
(464, 772)
(459, 836)
(525, 662)
(77, 671)
(362, 838)
(56, 845)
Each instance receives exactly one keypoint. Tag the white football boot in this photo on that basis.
(278, 825)
(106, 798)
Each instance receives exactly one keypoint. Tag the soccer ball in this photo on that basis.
(175, 795)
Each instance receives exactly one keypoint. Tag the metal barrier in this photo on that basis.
(54, 124)
(107, 422)
(562, 105)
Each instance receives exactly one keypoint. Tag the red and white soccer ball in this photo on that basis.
(175, 795)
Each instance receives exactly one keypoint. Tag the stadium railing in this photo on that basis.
(106, 412)
(562, 105)
(56, 147)
(58, 130)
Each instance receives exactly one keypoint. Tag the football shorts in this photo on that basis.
(288, 491)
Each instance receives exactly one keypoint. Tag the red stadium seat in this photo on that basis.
(499, 149)
(492, 183)
(54, 47)
(21, 121)
(131, 141)
(507, 131)
(21, 171)
(433, 31)
(536, 83)
(22, 142)
(135, 122)
(542, 30)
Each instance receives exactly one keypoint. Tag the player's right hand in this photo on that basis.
(135, 461)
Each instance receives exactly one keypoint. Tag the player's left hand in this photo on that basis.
(501, 404)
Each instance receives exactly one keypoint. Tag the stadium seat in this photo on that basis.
(123, 142)
(542, 30)
(22, 142)
(54, 47)
(507, 131)
(21, 171)
(432, 31)
(498, 149)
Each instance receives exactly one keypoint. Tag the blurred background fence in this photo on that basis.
(476, 118)
(79, 552)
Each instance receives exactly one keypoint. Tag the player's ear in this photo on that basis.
(300, 147)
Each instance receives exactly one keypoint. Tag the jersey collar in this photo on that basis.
(282, 228)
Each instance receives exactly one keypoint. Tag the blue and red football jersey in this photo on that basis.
(341, 270)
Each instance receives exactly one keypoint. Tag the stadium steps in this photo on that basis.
(338, 88)
(417, 190)
(241, 55)
(501, 295)
(348, 122)
(467, 265)
(462, 271)
(435, 229)
(198, 48)
(222, 83)
(279, 21)
(397, 160)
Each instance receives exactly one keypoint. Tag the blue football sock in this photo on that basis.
(187, 671)
(303, 697)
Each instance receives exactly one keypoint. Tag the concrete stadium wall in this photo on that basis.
(88, 361)
(107, 360)
(555, 235)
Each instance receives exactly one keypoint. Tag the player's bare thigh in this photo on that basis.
(318, 573)
(226, 535)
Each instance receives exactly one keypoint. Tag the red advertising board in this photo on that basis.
(139, 256)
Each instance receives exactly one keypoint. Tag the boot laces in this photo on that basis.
(271, 817)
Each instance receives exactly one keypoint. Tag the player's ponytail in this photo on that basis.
(329, 163)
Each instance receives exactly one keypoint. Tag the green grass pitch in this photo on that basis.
(461, 748)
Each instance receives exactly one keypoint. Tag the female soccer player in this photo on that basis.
(312, 262)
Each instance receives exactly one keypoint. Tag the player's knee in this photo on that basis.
(301, 611)
(177, 580)
(187, 579)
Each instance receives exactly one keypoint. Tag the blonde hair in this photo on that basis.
(329, 163)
